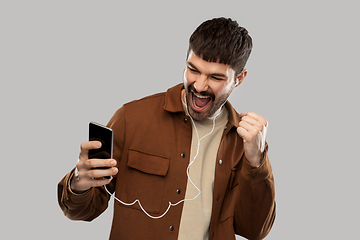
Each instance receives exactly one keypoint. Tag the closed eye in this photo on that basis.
(193, 69)
(214, 76)
(217, 78)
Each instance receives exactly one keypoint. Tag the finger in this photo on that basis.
(85, 184)
(90, 145)
(247, 131)
(98, 173)
(252, 121)
(249, 127)
(86, 146)
(96, 163)
(244, 134)
(100, 182)
(85, 166)
(257, 117)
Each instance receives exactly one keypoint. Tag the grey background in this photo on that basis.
(65, 63)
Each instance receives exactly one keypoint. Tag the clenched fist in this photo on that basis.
(252, 129)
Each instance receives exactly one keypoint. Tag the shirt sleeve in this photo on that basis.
(91, 204)
(256, 209)
(86, 206)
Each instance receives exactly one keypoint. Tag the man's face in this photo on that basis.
(207, 86)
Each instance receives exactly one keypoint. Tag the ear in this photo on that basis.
(240, 78)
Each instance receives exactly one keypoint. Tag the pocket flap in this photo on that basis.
(148, 162)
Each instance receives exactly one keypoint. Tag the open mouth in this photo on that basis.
(199, 102)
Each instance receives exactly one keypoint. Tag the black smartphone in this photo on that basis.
(103, 134)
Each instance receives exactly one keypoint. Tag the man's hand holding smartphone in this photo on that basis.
(95, 166)
(88, 174)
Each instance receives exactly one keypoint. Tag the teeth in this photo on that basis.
(200, 96)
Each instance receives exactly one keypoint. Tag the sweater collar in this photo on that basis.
(173, 104)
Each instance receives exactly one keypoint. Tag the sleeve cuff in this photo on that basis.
(258, 174)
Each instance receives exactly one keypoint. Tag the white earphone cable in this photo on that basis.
(187, 172)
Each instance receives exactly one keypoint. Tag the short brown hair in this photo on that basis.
(223, 40)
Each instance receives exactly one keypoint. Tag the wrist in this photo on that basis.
(256, 160)
(72, 190)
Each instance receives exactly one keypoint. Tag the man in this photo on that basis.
(186, 164)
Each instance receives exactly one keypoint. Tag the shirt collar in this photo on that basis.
(173, 99)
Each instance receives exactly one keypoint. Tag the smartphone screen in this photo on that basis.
(98, 132)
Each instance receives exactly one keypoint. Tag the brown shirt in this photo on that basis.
(152, 141)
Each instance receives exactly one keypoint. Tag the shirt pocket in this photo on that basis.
(144, 179)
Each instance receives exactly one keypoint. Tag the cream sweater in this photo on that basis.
(196, 215)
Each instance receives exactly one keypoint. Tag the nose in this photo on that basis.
(201, 84)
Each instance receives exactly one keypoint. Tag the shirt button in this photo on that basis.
(185, 120)
(226, 127)
(171, 228)
(178, 191)
(220, 161)
(183, 155)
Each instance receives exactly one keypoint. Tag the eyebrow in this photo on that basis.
(220, 75)
(192, 66)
